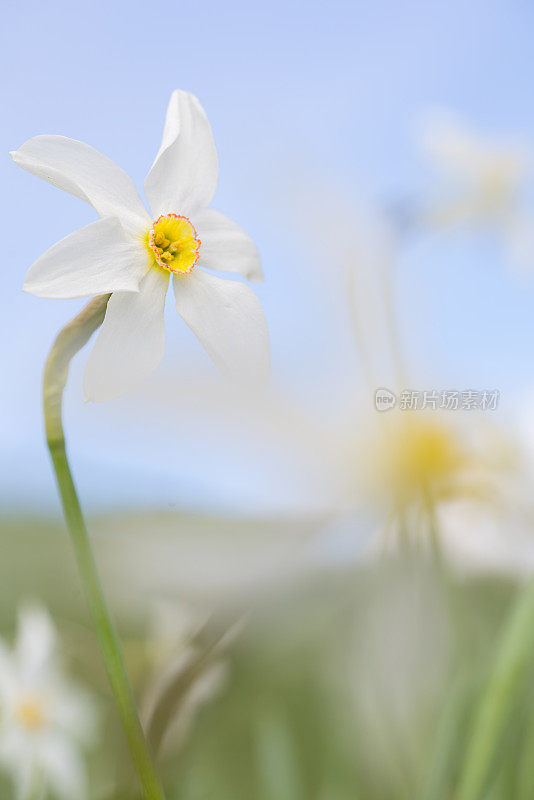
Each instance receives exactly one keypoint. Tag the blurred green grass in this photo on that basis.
(342, 685)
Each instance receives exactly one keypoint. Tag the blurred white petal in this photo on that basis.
(44, 717)
(205, 560)
(74, 713)
(27, 780)
(480, 177)
(35, 644)
(225, 246)
(449, 142)
(63, 767)
(518, 230)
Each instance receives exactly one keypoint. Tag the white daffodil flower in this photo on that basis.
(44, 718)
(482, 182)
(132, 254)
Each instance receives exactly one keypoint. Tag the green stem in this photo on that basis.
(71, 339)
(440, 765)
(525, 765)
(500, 696)
(433, 527)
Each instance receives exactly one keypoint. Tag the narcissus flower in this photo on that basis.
(133, 254)
(482, 183)
(44, 718)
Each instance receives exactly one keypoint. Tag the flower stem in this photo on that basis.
(506, 680)
(71, 339)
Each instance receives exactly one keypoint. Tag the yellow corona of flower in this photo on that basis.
(424, 455)
(132, 254)
(173, 243)
(419, 456)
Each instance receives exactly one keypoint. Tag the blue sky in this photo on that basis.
(298, 94)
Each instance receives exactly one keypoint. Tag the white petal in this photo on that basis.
(28, 783)
(74, 713)
(131, 342)
(9, 676)
(183, 177)
(35, 645)
(225, 246)
(97, 259)
(17, 757)
(518, 230)
(63, 768)
(228, 319)
(84, 172)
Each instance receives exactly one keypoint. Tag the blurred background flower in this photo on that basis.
(45, 719)
(484, 182)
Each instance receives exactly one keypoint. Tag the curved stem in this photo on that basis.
(73, 337)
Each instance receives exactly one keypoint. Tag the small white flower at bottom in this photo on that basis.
(45, 719)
